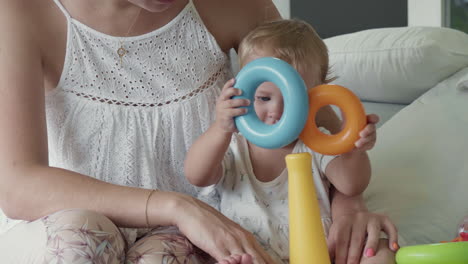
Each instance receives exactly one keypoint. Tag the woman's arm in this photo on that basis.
(29, 188)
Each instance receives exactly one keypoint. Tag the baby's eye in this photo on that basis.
(263, 98)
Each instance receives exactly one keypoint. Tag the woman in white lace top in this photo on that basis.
(99, 102)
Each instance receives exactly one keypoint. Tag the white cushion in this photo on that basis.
(463, 84)
(419, 168)
(396, 65)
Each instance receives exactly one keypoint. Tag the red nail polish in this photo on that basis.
(370, 252)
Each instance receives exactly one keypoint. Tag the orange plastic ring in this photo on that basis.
(353, 110)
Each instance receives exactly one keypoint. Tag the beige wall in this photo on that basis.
(283, 7)
(426, 13)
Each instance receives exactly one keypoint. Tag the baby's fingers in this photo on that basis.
(373, 119)
(368, 130)
(236, 112)
(227, 94)
(366, 143)
(234, 103)
(229, 84)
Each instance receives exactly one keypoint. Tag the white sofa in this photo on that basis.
(416, 79)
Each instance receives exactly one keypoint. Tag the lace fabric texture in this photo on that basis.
(131, 123)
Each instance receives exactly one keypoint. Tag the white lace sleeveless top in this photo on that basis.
(131, 123)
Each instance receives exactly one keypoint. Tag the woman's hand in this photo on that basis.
(214, 233)
(383, 256)
(349, 232)
(228, 108)
(368, 136)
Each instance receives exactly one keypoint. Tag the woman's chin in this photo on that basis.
(154, 6)
(167, 1)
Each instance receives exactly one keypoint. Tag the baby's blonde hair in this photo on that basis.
(293, 41)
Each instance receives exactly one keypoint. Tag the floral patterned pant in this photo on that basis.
(81, 236)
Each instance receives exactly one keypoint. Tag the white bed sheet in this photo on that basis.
(420, 165)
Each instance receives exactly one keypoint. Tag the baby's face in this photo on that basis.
(268, 100)
(268, 103)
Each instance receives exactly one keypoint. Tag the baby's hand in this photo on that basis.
(368, 135)
(228, 108)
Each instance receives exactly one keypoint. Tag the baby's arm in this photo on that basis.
(350, 172)
(203, 162)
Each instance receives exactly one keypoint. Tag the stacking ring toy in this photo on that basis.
(350, 104)
(294, 92)
(453, 253)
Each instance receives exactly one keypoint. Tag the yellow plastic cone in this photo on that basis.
(306, 237)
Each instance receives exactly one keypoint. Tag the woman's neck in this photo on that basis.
(116, 17)
(102, 6)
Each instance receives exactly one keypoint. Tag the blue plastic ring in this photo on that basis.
(296, 102)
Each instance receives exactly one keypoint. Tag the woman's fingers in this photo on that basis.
(356, 244)
(373, 237)
(222, 253)
(234, 259)
(383, 223)
(263, 254)
(348, 235)
(255, 250)
(246, 259)
(220, 237)
(242, 243)
(390, 229)
(210, 230)
(342, 241)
